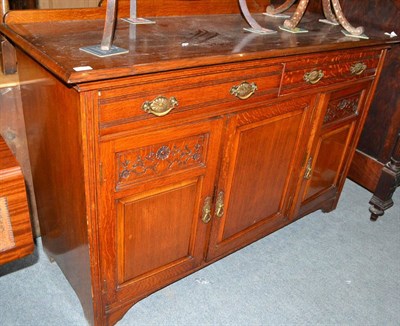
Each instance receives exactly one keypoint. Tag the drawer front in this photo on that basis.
(177, 95)
(317, 71)
(153, 161)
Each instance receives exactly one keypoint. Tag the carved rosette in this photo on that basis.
(342, 108)
(160, 159)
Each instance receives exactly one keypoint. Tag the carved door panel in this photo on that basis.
(260, 167)
(333, 148)
(152, 189)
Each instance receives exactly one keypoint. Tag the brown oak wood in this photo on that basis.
(59, 181)
(129, 201)
(261, 142)
(329, 157)
(150, 51)
(158, 206)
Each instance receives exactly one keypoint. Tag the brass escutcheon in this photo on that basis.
(358, 68)
(308, 172)
(244, 90)
(219, 206)
(206, 214)
(160, 106)
(313, 77)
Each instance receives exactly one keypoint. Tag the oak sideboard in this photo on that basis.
(203, 138)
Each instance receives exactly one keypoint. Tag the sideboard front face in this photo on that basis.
(179, 190)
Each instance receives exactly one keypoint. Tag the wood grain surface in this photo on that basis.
(15, 208)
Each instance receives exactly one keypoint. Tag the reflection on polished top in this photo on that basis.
(184, 41)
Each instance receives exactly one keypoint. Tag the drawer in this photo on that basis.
(316, 71)
(169, 96)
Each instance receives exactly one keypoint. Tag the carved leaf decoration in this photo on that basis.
(342, 108)
(160, 159)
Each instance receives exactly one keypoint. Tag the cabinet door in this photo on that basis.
(333, 148)
(260, 167)
(152, 192)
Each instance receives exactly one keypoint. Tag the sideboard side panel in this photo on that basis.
(53, 120)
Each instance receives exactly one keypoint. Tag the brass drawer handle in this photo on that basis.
(160, 106)
(244, 90)
(313, 77)
(219, 206)
(358, 68)
(206, 214)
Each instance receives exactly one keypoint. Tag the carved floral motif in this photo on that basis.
(342, 108)
(160, 159)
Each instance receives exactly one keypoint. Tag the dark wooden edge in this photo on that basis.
(365, 170)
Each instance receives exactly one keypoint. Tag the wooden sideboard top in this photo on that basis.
(173, 43)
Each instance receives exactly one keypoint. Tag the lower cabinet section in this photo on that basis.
(332, 149)
(260, 165)
(157, 189)
(177, 198)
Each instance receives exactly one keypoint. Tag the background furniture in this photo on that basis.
(12, 129)
(378, 141)
(22, 4)
(377, 144)
(16, 239)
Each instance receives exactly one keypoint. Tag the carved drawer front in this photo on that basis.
(168, 96)
(316, 71)
(160, 159)
(345, 105)
(342, 108)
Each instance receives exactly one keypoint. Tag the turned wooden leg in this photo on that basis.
(387, 184)
(298, 14)
(329, 15)
(283, 7)
(343, 21)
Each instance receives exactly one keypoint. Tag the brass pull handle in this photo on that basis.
(206, 215)
(313, 77)
(308, 173)
(160, 106)
(219, 206)
(358, 68)
(244, 90)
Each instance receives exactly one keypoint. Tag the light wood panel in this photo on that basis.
(15, 219)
